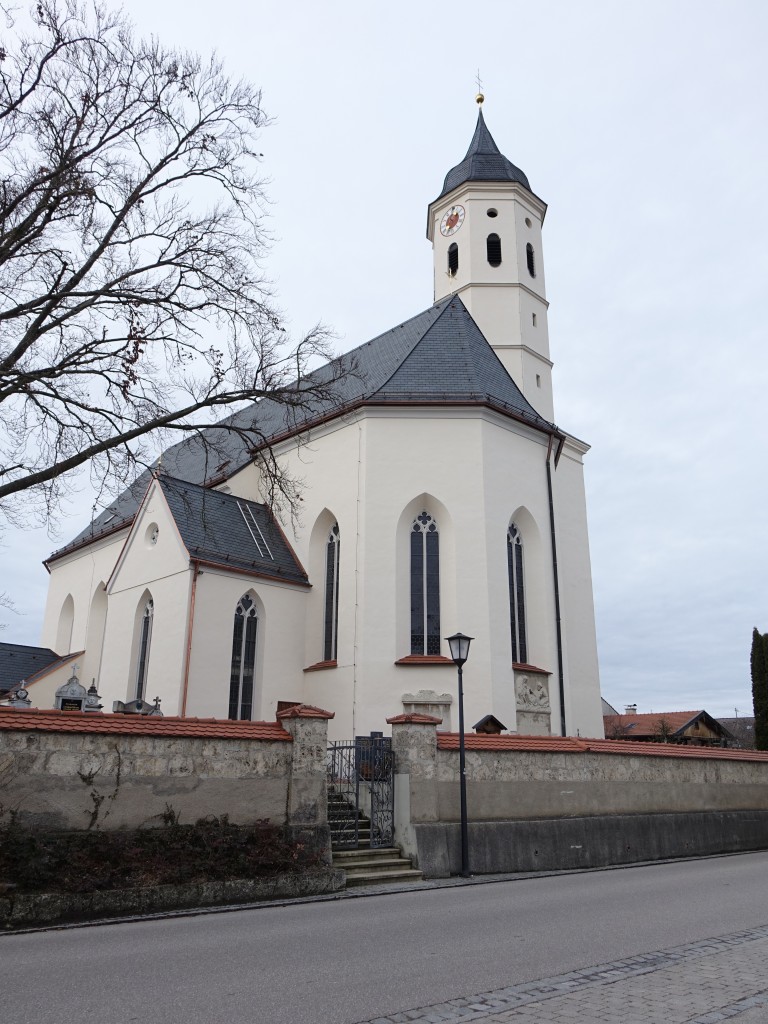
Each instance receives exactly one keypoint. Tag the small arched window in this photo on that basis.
(425, 585)
(531, 261)
(331, 622)
(493, 246)
(453, 259)
(243, 662)
(145, 639)
(516, 594)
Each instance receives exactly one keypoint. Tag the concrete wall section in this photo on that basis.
(570, 843)
(549, 803)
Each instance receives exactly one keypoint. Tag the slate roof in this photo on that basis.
(17, 662)
(483, 162)
(230, 531)
(438, 356)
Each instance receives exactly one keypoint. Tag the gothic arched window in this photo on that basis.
(331, 619)
(243, 662)
(425, 585)
(145, 639)
(453, 259)
(493, 248)
(531, 261)
(516, 594)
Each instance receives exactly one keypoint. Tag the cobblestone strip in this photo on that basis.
(737, 1010)
(502, 1003)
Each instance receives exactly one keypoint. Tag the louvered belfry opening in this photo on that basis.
(531, 261)
(453, 259)
(493, 245)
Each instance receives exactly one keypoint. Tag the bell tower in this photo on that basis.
(485, 229)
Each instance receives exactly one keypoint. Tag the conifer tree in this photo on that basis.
(759, 666)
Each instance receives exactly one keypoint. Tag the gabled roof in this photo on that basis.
(673, 723)
(17, 662)
(484, 161)
(439, 356)
(230, 531)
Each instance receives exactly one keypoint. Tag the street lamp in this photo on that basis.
(459, 645)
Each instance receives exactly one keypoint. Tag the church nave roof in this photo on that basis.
(440, 356)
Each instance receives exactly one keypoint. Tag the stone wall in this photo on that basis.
(68, 770)
(536, 802)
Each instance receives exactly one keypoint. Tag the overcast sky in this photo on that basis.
(643, 126)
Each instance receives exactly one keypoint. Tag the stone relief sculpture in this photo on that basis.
(532, 694)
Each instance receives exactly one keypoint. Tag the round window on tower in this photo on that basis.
(493, 213)
(528, 222)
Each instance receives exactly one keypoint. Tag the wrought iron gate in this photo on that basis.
(361, 792)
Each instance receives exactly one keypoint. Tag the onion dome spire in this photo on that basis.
(483, 161)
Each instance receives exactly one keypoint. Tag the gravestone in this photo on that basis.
(19, 698)
(72, 695)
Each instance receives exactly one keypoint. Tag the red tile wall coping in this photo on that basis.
(140, 725)
(574, 745)
(521, 666)
(320, 665)
(305, 711)
(415, 718)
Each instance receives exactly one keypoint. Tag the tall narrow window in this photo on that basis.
(531, 261)
(243, 660)
(331, 624)
(425, 585)
(453, 259)
(145, 639)
(493, 247)
(516, 594)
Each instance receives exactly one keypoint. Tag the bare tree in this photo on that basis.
(132, 297)
(7, 603)
(663, 730)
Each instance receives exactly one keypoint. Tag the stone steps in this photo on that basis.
(370, 867)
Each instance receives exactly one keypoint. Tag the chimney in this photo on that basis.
(630, 709)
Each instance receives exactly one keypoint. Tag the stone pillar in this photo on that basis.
(414, 742)
(307, 803)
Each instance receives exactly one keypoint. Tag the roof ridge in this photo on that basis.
(445, 303)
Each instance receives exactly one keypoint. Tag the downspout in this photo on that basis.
(357, 576)
(190, 624)
(555, 578)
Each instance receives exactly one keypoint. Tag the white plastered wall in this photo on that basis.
(279, 657)
(474, 471)
(582, 677)
(145, 568)
(78, 574)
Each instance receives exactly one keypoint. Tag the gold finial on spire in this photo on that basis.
(479, 98)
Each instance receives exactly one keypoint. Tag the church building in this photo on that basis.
(438, 496)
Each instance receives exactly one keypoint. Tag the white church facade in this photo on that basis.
(438, 496)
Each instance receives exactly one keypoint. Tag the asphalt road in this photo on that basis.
(350, 960)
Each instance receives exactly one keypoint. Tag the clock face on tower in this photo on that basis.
(452, 221)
